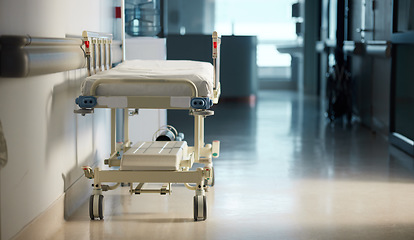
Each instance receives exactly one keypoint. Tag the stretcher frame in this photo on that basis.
(98, 54)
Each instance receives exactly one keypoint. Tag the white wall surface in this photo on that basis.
(47, 143)
(146, 48)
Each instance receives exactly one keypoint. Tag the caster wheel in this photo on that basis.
(96, 207)
(200, 208)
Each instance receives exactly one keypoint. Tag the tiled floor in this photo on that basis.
(283, 173)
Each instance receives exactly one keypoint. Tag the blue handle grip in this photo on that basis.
(201, 103)
(86, 101)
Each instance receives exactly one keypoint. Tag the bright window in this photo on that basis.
(269, 20)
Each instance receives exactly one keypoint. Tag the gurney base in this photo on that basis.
(200, 177)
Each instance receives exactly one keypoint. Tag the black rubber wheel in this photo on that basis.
(205, 207)
(195, 208)
(204, 217)
(91, 208)
(100, 207)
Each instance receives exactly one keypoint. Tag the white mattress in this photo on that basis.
(200, 73)
(154, 156)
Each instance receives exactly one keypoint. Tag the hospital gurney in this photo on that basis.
(135, 84)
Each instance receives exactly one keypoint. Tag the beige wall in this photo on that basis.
(47, 143)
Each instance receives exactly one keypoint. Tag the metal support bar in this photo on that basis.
(216, 59)
(105, 54)
(158, 191)
(202, 131)
(149, 176)
(100, 63)
(112, 162)
(94, 56)
(166, 188)
(113, 131)
(198, 136)
(109, 53)
(138, 189)
(126, 130)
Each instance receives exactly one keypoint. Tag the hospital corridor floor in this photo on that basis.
(284, 172)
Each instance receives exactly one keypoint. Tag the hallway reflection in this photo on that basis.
(284, 172)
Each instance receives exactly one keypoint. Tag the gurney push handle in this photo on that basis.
(86, 101)
(201, 103)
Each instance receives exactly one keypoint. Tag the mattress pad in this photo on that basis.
(200, 73)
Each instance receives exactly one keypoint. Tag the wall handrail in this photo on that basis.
(24, 56)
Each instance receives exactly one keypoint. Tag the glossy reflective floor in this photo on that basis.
(283, 173)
